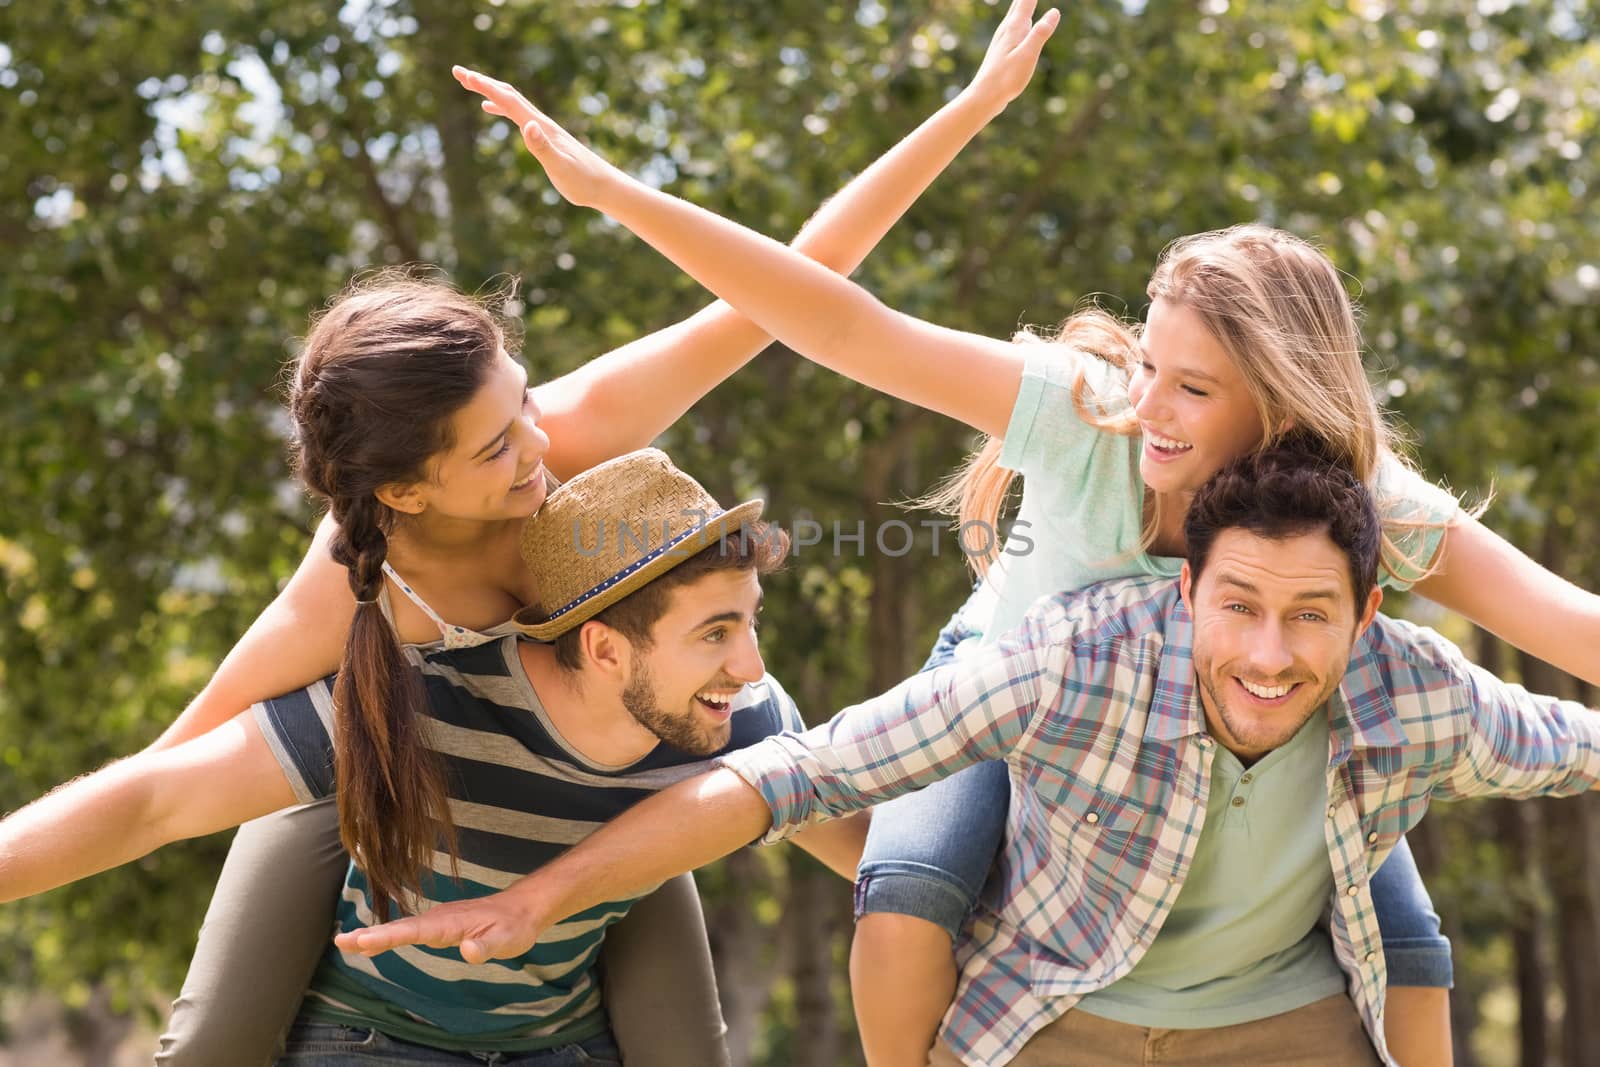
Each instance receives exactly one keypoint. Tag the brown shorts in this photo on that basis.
(1327, 1033)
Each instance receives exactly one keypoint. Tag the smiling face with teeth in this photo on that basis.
(495, 468)
(1195, 409)
(1274, 622)
(701, 653)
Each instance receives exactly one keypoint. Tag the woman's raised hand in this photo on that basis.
(1013, 54)
(577, 172)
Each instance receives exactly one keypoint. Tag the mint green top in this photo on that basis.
(1242, 942)
(1082, 513)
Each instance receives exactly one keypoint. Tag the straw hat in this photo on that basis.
(614, 529)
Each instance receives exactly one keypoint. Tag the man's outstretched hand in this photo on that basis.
(494, 927)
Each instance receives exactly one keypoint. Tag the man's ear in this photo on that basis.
(408, 498)
(605, 649)
(1186, 587)
(1374, 599)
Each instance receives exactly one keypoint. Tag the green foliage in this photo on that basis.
(181, 185)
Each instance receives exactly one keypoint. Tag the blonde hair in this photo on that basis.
(1279, 308)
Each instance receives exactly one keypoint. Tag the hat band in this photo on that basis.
(631, 568)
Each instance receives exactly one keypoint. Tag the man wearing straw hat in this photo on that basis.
(651, 668)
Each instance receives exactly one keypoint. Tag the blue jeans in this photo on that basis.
(1416, 952)
(929, 852)
(913, 863)
(313, 1044)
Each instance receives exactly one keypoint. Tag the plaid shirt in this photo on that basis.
(1093, 706)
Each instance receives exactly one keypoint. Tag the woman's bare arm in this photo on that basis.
(622, 400)
(1485, 578)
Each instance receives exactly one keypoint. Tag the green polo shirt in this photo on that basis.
(1243, 941)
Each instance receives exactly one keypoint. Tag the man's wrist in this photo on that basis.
(532, 900)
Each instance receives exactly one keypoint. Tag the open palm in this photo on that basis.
(577, 172)
(1013, 52)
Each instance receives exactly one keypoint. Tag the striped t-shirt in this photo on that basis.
(519, 796)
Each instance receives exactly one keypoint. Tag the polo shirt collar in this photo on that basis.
(1362, 712)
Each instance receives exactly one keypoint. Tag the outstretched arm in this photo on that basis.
(801, 302)
(864, 755)
(136, 805)
(1510, 742)
(678, 829)
(1483, 577)
(686, 826)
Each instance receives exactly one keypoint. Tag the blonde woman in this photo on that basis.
(1249, 334)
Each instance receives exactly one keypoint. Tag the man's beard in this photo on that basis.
(1246, 732)
(681, 731)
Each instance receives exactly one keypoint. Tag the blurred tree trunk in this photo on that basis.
(893, 568)
(1572, 870)
(97, 1029)
(1517, 824)
(1525, 922)
(902, 459)
(1570, 865)
(816, 917)
(743, 971)
(444, 39)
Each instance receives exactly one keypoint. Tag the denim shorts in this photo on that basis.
(315, 1044)
(928, 854)
(1416, 952)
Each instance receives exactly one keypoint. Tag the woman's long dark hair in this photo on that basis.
(383, 371)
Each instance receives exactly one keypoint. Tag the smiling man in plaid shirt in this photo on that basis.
(1202, 771)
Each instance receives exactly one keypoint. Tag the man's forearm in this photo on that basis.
(676, 830)
(681, 828)
(837, 843)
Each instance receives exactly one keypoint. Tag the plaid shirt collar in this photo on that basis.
(1362, 711)
(1175, 710)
